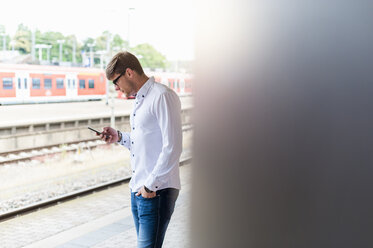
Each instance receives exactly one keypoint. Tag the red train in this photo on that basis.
(37, 83)
(180, 83)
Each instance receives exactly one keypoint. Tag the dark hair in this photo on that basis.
(120, 62)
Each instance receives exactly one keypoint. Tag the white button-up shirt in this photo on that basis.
(155, 140)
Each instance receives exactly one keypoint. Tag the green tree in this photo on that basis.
(48, 38)
(149, 57)
(102, 40)
(23, 39)
(85, 46)
(118, 44)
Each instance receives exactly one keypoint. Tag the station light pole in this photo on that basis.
(129, 27)
(108, 39)
(4, 41)
(41, 47)
(101, 53)
(112, 116)
(91, 45)
(12, 43)
(48, 52)
(60, 42)
(74, 52)
(104, 54)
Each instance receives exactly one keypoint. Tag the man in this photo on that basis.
(155, 145)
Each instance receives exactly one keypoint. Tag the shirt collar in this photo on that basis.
(145, 88)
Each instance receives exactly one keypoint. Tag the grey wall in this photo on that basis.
(283, 124)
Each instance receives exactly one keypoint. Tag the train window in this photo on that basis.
(7, 83)
(69, 83)
(91, 83)
(47, 83)
(74, 83)
(60, 83)
(36, 83)
(25, 82)
(19, 83)
(82, 83)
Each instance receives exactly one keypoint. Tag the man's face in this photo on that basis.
(124, 84)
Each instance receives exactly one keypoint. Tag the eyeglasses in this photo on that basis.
(115, 81)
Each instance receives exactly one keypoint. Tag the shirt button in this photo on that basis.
(156, 187)
(143, 96)
(133, 171)
(133, 128)
(124, 141)
(132, 142)
(137, 102)
(133, 155)
(134, 114)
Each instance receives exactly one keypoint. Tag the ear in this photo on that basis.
(129, 72)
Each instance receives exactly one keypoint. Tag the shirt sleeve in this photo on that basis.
(167, 110)
(125, 141)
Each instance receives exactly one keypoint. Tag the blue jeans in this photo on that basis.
(152, 215)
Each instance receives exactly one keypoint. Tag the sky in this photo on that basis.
(165, 24)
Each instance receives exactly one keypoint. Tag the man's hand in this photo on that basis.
(145, 194)
(109, 135)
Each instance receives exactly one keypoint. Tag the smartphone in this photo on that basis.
(94, 130)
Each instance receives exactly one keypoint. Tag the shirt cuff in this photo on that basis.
(152, 183)
(125, 141)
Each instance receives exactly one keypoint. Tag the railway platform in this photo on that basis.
(98, 220)
(37, 126)
(26, 114)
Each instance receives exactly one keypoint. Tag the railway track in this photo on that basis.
(29, 154)
(73, 195)
(16, 156)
